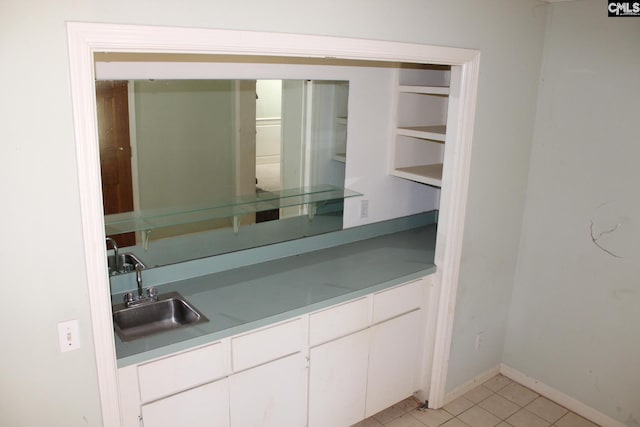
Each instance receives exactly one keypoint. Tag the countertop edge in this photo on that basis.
(276, 318)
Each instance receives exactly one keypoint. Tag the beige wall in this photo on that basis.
(42, 249)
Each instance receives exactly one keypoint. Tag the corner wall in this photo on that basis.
(574, 322)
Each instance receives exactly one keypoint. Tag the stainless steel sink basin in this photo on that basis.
(170, 311)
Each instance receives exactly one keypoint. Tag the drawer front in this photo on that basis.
(267, 344)
(182, 371)
(396, 301)
(339, 321)
(203, 406)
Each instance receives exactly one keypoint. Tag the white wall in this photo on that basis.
(39, 183)
(575, 317)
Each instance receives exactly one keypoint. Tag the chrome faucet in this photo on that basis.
(116, 262)
(152, 295)
(139, 280)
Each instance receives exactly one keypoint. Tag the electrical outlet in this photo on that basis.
(364, 208)
(69, 335)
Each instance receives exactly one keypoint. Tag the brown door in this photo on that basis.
(115, 151)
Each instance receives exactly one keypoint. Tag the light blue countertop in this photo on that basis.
(245, 298)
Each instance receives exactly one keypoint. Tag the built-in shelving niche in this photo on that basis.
(420, 131)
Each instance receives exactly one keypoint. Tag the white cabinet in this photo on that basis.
(329, 368)
(270, 395)
(203, 406)
(393, 361)
(267, 344)
(337, 381)
(268, 387)
(361, 373)
(183, 371)
(422, 101)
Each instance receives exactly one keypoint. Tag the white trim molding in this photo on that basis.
(86, 39)
(559, 397)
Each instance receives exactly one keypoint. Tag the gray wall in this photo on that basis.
(575, 316)
(39, 182)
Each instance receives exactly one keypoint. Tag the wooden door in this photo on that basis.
(112, 102)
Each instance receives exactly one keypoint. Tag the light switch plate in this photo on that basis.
(69, 335)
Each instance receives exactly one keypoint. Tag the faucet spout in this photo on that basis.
(116, 262)
(139, 280)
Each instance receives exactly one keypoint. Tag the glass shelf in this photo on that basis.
(147, 220)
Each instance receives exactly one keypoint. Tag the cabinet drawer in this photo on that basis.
(396, 301)
(185, 370)
(267, 344)
(339, 321)
(203, 406)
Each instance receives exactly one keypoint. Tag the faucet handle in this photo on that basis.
(152, 293)
(128, 297)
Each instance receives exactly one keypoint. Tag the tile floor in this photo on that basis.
(497, 402)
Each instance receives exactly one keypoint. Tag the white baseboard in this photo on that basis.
(470, 385)
(559, 397)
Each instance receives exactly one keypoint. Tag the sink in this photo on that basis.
(171, 311)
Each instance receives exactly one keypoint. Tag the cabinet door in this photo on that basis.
(270, 395)
(393, 361)
(338, 381)
(203, 406)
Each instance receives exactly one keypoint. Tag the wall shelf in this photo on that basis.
(340, 157)
(422, 96)
(426, 90)
(433, 133)
(148, 220)
(426, 174)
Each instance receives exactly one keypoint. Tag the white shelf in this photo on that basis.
(426, 174)
(340, 157)
(341, 120)
(434, 133)
(426, 90)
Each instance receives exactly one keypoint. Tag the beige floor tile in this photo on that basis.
(408, 404)
(458, 405)
(546, 409)
(405, 420)
(454, 422)
(478, 417)
(388, 414)
(524, 418)
(432, 417)
(369, 422)
(503, 424)
(574, 420)
(478, 394)
(518, 394)
(499, 406)
(497, 383)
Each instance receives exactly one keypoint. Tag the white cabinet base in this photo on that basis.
(270, 395)
(393, 361)
(337, 381)
(204, 406)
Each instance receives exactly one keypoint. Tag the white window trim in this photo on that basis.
(85, 39)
